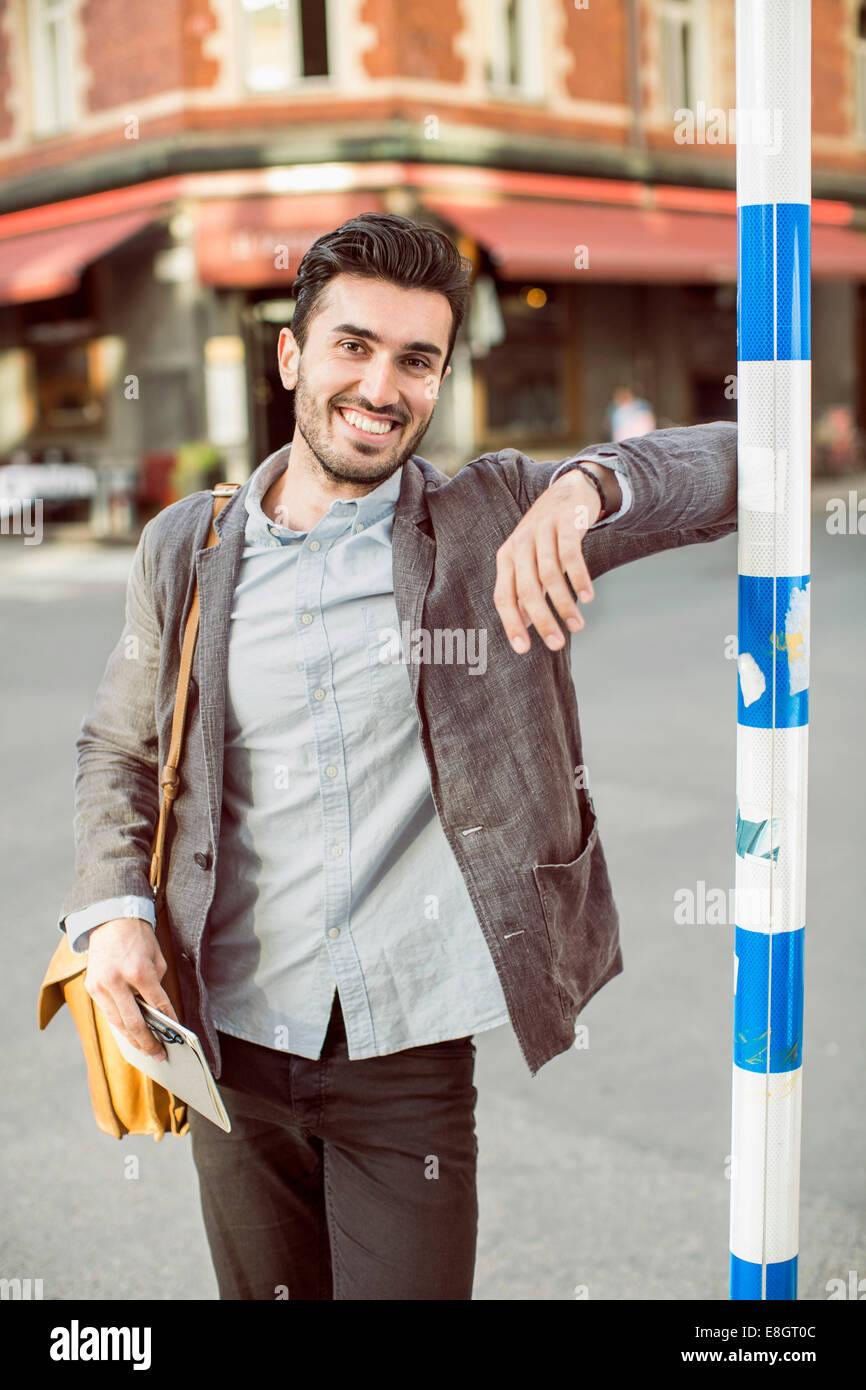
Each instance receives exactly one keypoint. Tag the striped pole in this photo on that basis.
(773, 52)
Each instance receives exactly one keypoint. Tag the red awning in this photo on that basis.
(42, 265)
(545, 240)
(253, 242)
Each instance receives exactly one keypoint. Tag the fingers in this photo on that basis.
(116, 999)
(518, 595)
(530, 566)
(531, 589)
(136, 1029)
(551, 573)
(124, 959)
(158, 999)
(514, 618)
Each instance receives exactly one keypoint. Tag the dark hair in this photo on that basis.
(383, 246)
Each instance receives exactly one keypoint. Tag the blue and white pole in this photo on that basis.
(773, 51)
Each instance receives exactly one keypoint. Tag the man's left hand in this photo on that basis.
(544, 547)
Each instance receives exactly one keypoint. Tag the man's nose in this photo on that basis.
(378, 384)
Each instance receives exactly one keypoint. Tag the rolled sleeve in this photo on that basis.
(78, 925)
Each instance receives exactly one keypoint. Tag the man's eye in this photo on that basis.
(419, 361)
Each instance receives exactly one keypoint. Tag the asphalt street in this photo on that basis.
(604, 1176)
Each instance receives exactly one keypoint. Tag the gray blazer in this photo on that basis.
(501, 746)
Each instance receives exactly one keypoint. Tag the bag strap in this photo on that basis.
(169, 777)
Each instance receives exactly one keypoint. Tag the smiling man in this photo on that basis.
(372, 860)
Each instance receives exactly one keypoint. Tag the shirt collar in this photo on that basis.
(261, 530)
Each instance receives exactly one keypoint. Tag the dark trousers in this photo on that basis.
(342, 1179)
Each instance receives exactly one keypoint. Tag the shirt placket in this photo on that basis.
(316, 648)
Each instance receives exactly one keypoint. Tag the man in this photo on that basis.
(371, 859)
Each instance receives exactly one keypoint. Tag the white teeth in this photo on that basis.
(361, 422)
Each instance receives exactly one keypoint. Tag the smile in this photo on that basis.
(365, 427)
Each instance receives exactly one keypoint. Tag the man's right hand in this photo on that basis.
(124, 959)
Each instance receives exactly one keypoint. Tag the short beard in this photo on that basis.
(331, 459)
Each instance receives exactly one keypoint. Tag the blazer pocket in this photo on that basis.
(578, 926)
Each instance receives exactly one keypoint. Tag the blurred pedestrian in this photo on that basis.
(629, 415)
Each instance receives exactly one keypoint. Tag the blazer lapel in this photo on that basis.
(216, 572)
(413, 549)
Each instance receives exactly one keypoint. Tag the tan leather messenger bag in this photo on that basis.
(125, 1101)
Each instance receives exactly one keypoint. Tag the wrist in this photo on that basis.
(608, 480)
(610, 486)
(583, 494)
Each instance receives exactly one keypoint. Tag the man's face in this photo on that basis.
(373, 350)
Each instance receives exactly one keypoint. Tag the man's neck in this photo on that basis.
(301, 496)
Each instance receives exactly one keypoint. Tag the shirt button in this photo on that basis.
(334, 931)
(306, 619)
(330, 771)
(360, 526)
(314, 545)
(318, 694)
(336, 850)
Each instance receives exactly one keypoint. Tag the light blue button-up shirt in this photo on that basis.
(333, 870)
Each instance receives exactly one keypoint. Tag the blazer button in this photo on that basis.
(203, 859)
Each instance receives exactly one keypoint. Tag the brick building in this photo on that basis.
(163, 167)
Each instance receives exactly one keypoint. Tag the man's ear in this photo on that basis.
(288, 355)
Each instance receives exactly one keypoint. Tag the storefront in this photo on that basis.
(142, 322)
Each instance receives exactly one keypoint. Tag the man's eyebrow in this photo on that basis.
(357, 332)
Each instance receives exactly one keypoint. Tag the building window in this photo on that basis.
(681, 43)
(860, 72)
(52, 65)
(284, 41)
(70, 388)
(523, 376)
(514, 47)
